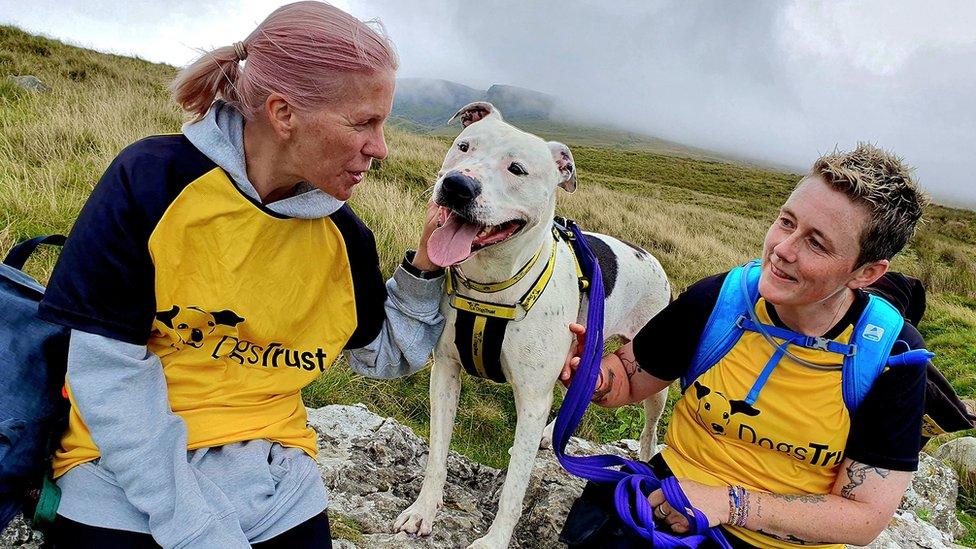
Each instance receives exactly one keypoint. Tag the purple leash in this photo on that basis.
(634, 480)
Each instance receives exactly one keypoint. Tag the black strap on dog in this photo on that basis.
(479, 342)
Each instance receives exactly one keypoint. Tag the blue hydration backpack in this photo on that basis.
(33, 354)
(865, 357)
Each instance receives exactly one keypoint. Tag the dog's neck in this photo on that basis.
(501, 262)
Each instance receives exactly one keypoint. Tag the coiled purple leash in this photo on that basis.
(634, 480)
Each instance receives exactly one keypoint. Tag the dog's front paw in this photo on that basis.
(416, 519)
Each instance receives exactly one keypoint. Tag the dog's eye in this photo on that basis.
(517, 169)
(210, 323)
(182, 326)
(463, 146)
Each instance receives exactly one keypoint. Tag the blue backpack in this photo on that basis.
(867, 355)
(33, 358)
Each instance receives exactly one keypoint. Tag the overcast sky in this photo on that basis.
(779, 81)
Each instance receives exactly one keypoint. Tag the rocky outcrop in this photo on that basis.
(30, 83)
(932, 495)
(907, 530)
(374, 466)
(960, 454)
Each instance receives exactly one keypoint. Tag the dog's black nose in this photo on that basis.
(458, 189)
(196, 335)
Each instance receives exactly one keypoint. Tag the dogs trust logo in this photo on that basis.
(191, 326)
(194, 327)
(715, 410)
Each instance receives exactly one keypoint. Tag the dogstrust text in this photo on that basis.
(818, 454)
(273, 356)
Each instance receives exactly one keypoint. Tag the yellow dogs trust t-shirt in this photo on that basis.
(791, 441)
(249, 307)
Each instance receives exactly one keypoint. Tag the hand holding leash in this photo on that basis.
(575, 351)
(710, 500)
(604, 383)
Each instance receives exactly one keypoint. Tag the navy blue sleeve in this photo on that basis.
(886, 430)
(369, 285)
(665, 346)
(103, 282)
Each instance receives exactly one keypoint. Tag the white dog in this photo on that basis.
(497, 192)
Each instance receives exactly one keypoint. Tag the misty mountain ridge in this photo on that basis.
(424, 105)
(431, 102)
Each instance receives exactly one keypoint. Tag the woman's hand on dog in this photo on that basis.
(420, 259)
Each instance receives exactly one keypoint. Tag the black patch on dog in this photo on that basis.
(166, 317)
(227, 317)
(641, 253)
(607, 260)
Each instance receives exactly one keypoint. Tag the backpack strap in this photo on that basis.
(18, 255)
(874, 337)
(723, 328)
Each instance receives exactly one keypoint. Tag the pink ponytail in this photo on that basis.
(300, 51)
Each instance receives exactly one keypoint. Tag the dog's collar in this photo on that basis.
(492, 287)
(517, 311)
(514, 312)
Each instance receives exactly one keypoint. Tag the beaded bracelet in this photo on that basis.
(738, 506)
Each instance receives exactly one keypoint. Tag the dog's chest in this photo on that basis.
(490, 347)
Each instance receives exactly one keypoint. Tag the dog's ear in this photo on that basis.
(473, 112)
(701, 390)
(563, 158)
(226, 317)
(166, 317)
(742, 407)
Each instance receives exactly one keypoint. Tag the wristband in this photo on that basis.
(408, 266)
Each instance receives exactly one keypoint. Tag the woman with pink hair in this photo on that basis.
(212, 275)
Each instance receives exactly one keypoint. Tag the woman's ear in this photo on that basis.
(867, 274)
(281, 115)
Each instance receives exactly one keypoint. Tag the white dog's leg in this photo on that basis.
(445, 386)
(546, 441)
(532, 405)
(653, 407)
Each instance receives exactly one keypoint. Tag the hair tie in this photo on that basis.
(240, 50)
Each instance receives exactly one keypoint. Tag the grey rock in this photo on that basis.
(932, 495)
(30, 83)
(19, 534)
(906, 530)
(960, 454)
(374, 466)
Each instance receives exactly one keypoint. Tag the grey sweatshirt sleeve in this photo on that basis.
(121, 394)
(412, 326)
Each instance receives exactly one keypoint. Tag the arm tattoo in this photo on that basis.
(788, 537)
(858, 473)
(805, 498)
(600, 395)
(630, 366)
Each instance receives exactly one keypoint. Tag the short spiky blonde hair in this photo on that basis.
(883, 183)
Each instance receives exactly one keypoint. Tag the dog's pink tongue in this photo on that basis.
(451, 242)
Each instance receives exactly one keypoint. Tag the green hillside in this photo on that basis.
(697, 214)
